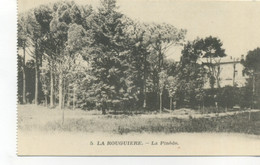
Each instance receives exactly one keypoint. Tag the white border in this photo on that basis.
(8, 114)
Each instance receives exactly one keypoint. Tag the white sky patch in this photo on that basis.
(235, 23)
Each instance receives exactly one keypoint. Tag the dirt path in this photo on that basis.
(68, 143)
(182, 115)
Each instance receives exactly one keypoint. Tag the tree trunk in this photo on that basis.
(145, 96)
(68, 96)
(159, 70)
(160, 102)
(253, 92)
(62, 116)
(46, 100)
(60, 90)
(103, 107)
(52, 86)
(24, 77)
(216, 104)
(144, 105)
(217, 76)
(170, 103)
(63, 94)
(234, 74)
(68, 101)
(103, 111)
(56, 84)
(36, 78)
(74, 97)
(218, 83)
(203, 106)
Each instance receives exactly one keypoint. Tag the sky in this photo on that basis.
(236, 24)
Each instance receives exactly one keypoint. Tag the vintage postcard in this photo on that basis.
(138, 78)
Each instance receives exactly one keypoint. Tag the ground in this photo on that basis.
(41, 132)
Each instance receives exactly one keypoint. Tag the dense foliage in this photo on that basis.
(252, 69)
(80, 57)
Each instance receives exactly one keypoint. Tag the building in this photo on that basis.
(230, 72)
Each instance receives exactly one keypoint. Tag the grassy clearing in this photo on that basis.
(43, 119)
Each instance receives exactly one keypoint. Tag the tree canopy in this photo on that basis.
(85, 57)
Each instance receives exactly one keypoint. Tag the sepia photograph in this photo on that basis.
(138, 78)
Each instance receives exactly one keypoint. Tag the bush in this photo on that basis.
(235, 123)
(228, 97)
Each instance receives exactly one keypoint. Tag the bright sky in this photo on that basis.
(237, 24)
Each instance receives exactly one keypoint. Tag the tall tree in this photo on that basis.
(162, 82)
(163, 37)
(79, 47)
(35, 44)
(252, 69)
(191, 75)
(113, 84)
(138, 39)
(172, 85)
(43, 17)
(23, 43)
(211, 49)
(59, 35)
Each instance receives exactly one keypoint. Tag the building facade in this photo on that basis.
(230, 72)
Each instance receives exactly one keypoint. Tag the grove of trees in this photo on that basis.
(81, 57)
